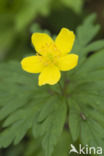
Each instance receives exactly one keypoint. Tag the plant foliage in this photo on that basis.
(52, 114)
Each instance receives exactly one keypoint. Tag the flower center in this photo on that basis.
(51, 54)
(50, 59)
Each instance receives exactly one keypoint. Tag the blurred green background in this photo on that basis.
(20, 18)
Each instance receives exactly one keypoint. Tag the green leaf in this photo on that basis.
(84, 35)
(28, 106)
(95, 46)
(86, 88)
(62, 147)
(33, 147)
(74, 120)
(87, 31)
(94, 133)
(50, 106)
(19, 101)
(86, 96)
(51, 128)
(93, 66)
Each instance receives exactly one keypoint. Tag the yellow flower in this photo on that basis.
(52, 56)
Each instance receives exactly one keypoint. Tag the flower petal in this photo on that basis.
(50, 75)
(33, 64)
(67, 62)
(65, 40)
(42, 43)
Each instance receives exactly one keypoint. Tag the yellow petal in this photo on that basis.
(42, 43)
(65, 40)
(67, 62)
(33, 64)
(50, 75)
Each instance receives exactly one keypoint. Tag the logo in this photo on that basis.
(85, 150)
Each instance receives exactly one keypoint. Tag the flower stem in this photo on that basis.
(61, 88)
